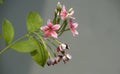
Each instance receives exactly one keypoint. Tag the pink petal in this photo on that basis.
(62, 17)
(75, 25)
(63, 14)
(64, 8)
(49, 23)
(75, 32)
(55, 27)
(47, 33)
(44, 28)
(71, 13)
(72, 17)
(54, 34)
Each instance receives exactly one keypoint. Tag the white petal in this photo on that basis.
(63, 46)
(68, 56)
(75, 25)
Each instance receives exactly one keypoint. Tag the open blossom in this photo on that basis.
(73, 27)
(50, 29)
(64, 13)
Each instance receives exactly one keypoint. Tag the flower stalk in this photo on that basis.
(8, 46)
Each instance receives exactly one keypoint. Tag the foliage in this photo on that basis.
(1, 1)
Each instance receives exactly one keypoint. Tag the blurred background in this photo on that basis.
(96, 50)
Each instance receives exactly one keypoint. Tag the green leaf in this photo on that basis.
(40, 55)
(0, 36)
(8, 31)
(34, 21)
(25, 46)
(1, 1)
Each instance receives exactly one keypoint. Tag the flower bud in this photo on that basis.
(70, 10)
(51, 61)
(66, 57)
(55, 11)
(58, 58)
(59, 6)
(63, 47)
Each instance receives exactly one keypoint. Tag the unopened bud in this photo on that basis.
(58, 58)
(66, 57)
(53, 61)
(69, 56)
(49, 62)
(70, 10)
(62, 48)
(59, 6)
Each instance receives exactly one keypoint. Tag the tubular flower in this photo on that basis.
(73, 27)
(50, 29)
(65, 14)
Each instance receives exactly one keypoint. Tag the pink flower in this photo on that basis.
(50, 29)
(73, 27)
(65, 14)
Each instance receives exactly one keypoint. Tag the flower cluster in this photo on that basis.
(63, 21)
(63, 56)
(43, 44)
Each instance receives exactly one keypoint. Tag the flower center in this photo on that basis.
(50, 28)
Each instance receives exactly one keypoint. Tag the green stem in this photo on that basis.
(61, 26)
(58, 19)
(7, 47)
(54, 53)
(56, 40)
(62, 32)
(52, 43)
(55, 16)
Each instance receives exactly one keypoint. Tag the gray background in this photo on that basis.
(96, 50)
